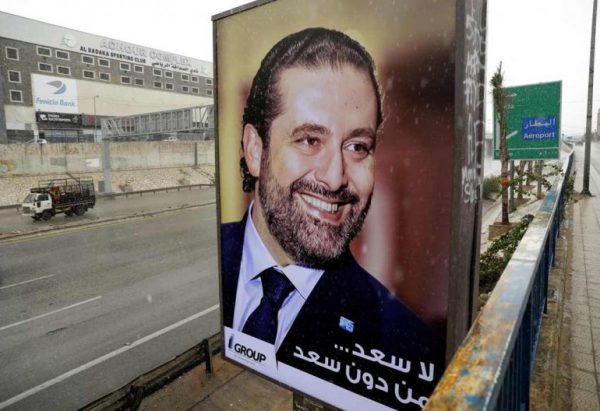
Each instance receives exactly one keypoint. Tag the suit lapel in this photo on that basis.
(232, 244)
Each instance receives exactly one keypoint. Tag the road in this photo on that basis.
(12, 221)
(84, 312)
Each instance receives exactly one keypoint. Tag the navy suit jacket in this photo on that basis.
(345, 290)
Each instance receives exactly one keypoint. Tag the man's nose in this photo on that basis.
(331, 170)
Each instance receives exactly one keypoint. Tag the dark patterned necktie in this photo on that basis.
(262, 323)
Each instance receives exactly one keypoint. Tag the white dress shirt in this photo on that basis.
(255, 259)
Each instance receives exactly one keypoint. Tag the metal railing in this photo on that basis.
(141, 193)
(492, 368)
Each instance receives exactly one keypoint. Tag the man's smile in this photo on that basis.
(331, 211)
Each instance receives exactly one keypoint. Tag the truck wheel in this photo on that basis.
(79, 210)
(69, 213)
(36, 217)
(46, 215)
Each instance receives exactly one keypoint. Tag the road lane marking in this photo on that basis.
(25, 282)
(105, 357)
(37, 317)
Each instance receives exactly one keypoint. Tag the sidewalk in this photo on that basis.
(567, 370)
(582, 307)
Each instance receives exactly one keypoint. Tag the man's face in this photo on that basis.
(316, 176)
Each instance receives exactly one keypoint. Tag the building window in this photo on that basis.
(16, 96)
(45, 67)
(87, 59)
(158, 84)
(185, 77)
(169, 86)
(157, 72)
(139, 81)
(209, 92)
(208, 82)
(138, 69)
(104, 62)
(14, 76)
(43, 51)
(168, 74)
(195, 90)
(63, 70)
(185, 89)
(12, 53)
(125, 66)
(63, 55)
(89, 74)
(195, 79)
(104, 76)
(125, 80)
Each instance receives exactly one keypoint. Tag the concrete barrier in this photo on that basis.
(37, 159)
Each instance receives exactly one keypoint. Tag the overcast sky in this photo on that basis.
(536, 40)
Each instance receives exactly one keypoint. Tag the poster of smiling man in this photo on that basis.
(339, 196)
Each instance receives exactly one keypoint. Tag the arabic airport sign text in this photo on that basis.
(533, 122)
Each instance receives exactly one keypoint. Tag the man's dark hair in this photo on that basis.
(311, 48)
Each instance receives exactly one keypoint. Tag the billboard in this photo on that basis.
(347, 192)
(533, 122)
(54, 94)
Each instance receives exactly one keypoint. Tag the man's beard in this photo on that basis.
(306, 239)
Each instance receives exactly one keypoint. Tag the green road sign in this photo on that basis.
(533, 130)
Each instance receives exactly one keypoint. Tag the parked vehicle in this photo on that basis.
(38, 141)
(51, 197)
(572, 140)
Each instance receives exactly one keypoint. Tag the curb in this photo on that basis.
(112, 196)
(79, 224)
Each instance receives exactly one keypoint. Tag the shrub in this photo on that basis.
(491, 186)
(499, 253)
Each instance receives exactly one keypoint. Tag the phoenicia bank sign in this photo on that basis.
(54, 94)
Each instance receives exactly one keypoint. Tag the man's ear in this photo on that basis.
(252, 149)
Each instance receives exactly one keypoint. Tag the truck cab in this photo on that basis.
(37, 205)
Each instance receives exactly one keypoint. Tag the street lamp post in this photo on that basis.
(588, 123)
(95, 120)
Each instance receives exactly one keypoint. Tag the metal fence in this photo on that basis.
(492, 368)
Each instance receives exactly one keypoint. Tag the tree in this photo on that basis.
(500, 109)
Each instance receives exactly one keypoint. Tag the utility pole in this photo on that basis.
(588, 124)
(95, 121)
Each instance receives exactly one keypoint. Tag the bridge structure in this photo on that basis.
(190, 123)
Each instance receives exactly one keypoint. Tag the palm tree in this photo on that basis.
(499, 96)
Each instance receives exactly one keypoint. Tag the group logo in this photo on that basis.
(247, 352)
(58, 85)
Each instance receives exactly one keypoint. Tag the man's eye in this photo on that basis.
(359, 148)
(308, 141)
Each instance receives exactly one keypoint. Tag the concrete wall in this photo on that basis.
(32, 159)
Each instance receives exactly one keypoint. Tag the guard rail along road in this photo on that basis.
(492, 368)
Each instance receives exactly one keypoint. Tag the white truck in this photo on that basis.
(51, 197)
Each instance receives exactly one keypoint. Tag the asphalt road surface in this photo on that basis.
(84, 312)
(12, 221)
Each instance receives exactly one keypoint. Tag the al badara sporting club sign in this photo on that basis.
(54, 94)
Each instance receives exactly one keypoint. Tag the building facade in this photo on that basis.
(57, 83)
